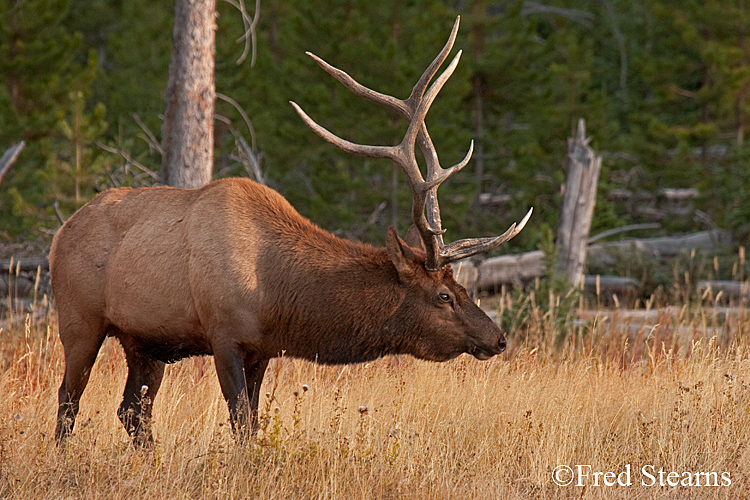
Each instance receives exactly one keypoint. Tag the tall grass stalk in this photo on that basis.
(673, 394)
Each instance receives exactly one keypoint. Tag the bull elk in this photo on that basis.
(232, 270)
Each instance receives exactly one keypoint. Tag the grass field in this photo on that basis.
(606, 397)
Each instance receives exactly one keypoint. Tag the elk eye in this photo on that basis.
(444, 297)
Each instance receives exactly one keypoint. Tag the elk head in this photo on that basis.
(453, 324)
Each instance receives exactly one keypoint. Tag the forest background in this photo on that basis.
(662, 85)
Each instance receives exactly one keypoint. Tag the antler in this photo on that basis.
(425, 210)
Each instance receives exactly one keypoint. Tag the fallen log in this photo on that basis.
(31, 264)
(729, 289)
(20, 277)
(520, 269)
(19, 285)
(608, 254)
(517, 269)
(610, 285)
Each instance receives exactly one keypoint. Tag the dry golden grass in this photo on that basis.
(607, 397)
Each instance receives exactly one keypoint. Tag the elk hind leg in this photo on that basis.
(81, 342)
(144, 379)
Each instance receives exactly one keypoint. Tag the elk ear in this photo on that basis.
(401, 254)
(414, 239)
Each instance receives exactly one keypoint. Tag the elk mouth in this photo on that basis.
(483, 351)
(484, 354)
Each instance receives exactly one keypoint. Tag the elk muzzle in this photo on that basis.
(483, 353)
(486, 340)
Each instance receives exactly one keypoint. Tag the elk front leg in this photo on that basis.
(255, 369)
(230, 366)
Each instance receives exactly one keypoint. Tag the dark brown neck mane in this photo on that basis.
(346, 300)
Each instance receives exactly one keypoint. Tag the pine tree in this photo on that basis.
(45, 71)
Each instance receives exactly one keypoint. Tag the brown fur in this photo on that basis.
(232, 270)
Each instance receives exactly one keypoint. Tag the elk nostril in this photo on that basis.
(501, 344)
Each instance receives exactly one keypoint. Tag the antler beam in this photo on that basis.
(425, 208)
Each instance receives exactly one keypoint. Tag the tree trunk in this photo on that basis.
(187, 131)
(578, 202)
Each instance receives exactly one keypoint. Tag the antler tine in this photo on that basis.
(417, 120)
(401, 106)
(430, 226)
(452, 170)
(472, 246)
(391, 152)
(436, 176)
(360, 90)
(407, 107)
(418, 91)
(425, 193)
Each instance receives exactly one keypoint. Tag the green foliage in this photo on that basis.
(47, 75)
(74, 162)
(662, 85)
(730, 192)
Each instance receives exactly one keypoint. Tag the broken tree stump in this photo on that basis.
(579, 199)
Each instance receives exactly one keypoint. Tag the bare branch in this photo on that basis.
(623, 229)
(371, 220)
(56, 206)
(620, 44)
(150, 137)
(129, 159)
(249, 156)
(9, 158)
(242, 114)
(577, 16)
(249, 37)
